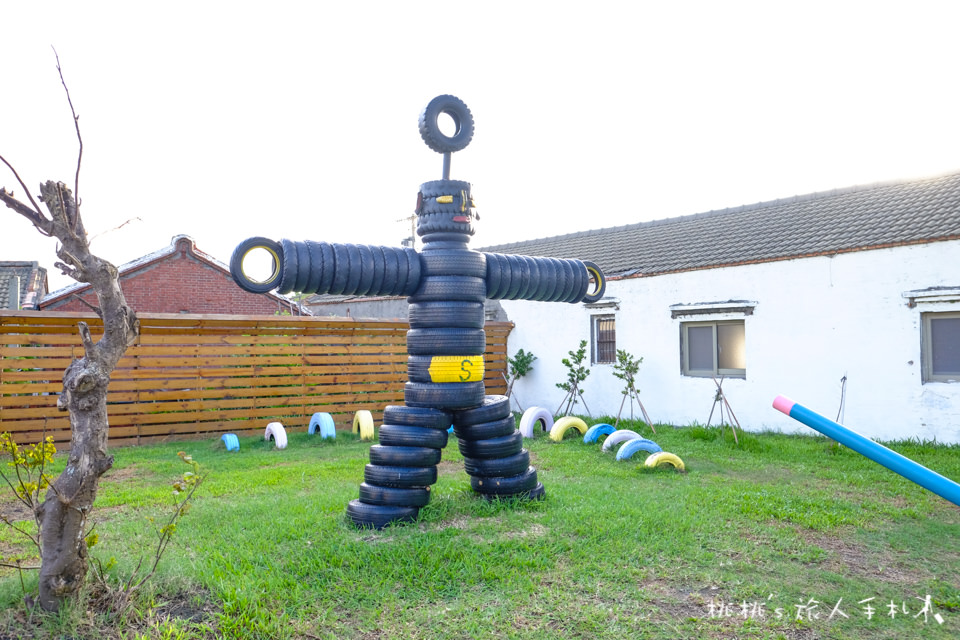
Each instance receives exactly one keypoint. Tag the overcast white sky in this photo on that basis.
(224, 120)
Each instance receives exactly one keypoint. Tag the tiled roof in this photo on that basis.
(838, 221)
(129, 267)
(33, 284)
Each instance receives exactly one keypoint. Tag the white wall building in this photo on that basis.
(788, 297)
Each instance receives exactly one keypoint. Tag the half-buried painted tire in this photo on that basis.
(561, 426)
(617, 437)
(664, 458)
(533, 416)
(363, 424)
(322, 423)
(597, 430)
(277, 433)
(630, 447)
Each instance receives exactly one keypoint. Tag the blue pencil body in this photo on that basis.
(943, 487)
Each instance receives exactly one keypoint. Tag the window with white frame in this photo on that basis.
(940, 337)
(714, 348)
(604, 334)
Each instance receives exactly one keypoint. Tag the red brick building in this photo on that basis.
(177, 279)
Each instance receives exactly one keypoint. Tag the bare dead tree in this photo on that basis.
(64, 513)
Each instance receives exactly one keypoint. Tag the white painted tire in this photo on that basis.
(563, 425)
(532, 416)
(363, 424)
(277, 433)
(617, 437)
(324, 423)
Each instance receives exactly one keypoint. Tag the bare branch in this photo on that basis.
(85, 338)
(92, 307)
(76, 124)
(116, 228)
(16, 175)
(38, 220)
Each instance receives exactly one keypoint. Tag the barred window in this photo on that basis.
(604, 332)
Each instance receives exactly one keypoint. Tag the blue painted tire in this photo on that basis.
(230, 441)
(323, 422)
(597, 430)
(630, 447)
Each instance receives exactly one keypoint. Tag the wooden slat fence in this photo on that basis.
(193, 376)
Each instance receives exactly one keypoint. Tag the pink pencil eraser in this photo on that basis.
(783, 404)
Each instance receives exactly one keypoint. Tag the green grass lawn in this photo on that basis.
(779, 537)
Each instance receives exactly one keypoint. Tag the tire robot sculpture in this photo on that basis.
(446, 285)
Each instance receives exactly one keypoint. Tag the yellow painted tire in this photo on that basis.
(660, 458)
(561, 426)
(363, 424)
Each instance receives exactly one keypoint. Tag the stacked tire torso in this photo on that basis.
(445, 371)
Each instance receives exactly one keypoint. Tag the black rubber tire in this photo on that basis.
(288, 276)
(548, 281)
(436, 223)
(445, 240)
(523, 268)
(435, 188)
(492, 276)
(583, 280)
(446, 342)
(486, 430)
(379, 271)
(401, 477)
(600, 286)
(393, 456)
(303, 266)
(443, 395)
(353, 267)
(534, 268)
(455, 315)
(510, 272)
(400, 435)
(501, 447)
(366, 270)
(430, 129)
(236, 264)
(427, 417)
(340, 269)
(391, 271)
(492, 408)
(374, 516)
(453, 263)
(497, 467)
(444, 288)
(394, 497)
(561, 281)
(412, 281)
(506, 277)
(316, 266)
(507, 485)
(537, 493)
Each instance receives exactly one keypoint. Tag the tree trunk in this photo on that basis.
(63, 514)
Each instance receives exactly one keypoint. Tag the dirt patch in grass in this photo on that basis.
(852, 559)
(449, 468)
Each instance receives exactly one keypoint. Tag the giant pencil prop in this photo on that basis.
(943, 487)
(446, 284)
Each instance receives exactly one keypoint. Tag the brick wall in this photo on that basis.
(179, 283)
